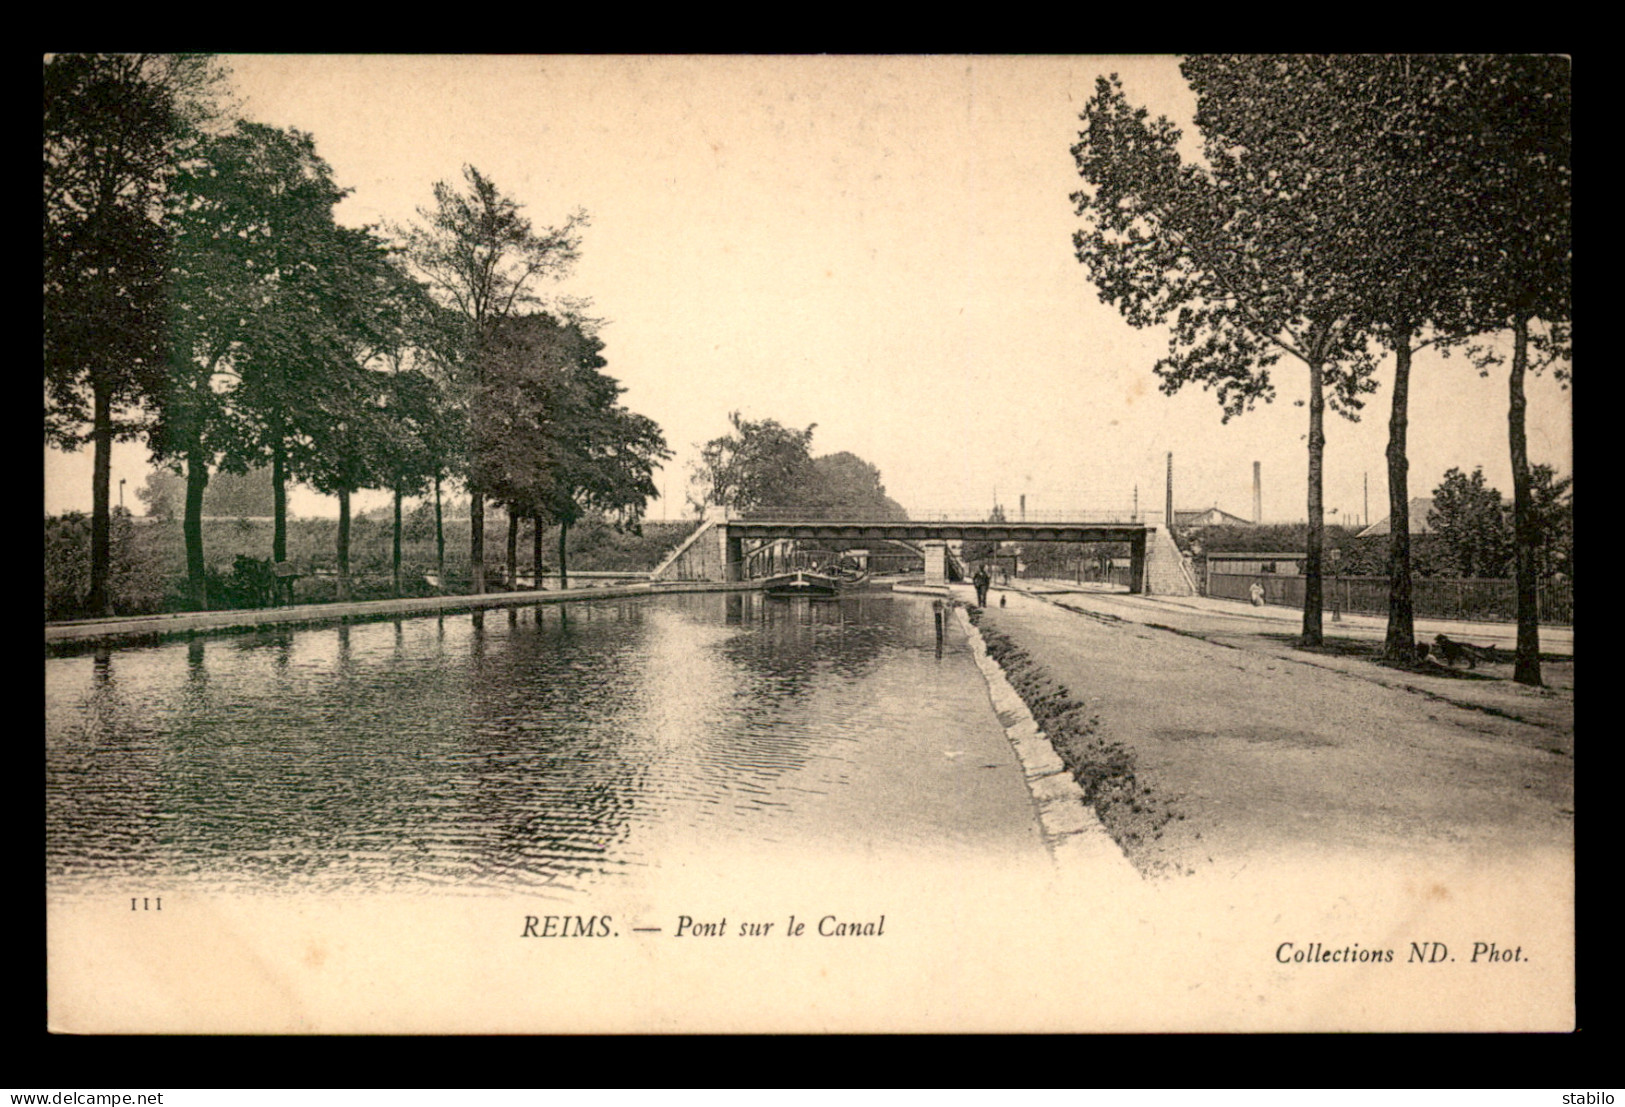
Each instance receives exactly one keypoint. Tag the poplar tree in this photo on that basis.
(1370, 138)
(1241, 259)
(1514, 116)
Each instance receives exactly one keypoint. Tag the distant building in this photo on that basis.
(1418, 511)
(1210, 517)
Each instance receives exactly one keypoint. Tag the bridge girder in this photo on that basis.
(929, 531)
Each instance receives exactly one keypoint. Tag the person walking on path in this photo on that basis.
(981, 580)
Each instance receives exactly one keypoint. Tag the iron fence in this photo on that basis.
(1474, 599)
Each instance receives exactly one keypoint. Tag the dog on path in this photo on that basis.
(1453, 652)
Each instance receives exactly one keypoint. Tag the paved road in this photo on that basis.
(1261, 749)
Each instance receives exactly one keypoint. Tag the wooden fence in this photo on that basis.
(1490, 601)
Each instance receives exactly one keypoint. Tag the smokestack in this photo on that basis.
(1169, 508)
(1024, 507)
(1258, 495)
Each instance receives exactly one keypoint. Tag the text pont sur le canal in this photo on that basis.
(603, 926)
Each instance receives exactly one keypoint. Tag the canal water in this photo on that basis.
(554, 749)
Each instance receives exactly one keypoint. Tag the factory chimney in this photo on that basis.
(1168, 509)
(1258, 496)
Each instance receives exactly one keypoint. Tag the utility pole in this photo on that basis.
(1367, 513)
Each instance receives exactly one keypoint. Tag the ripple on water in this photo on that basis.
(554, 752)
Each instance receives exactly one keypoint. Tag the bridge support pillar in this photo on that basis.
(936, 562)
(1136, 563)
(733, 556)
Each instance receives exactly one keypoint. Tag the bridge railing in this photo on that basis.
(1083, 514)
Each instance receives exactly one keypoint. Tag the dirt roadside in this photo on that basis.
(1217, 743)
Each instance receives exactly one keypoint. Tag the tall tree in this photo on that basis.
(843, 485)
(607, 465)
(1514, 114)
(515, 416)
(760, 464)
(482, 258)
(551, 438)
(1241, 259)
(115, 128)
(415, 413)
(252, 243)
(1370, 134)
(301, 296)
(370, 412)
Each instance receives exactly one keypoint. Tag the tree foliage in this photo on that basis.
(1242, 259)
(844, 486)
(241, 494)
(1475, 525)
(483, 261)
(551, 439)
(760, 464)
(1374, 136)
(1471, 520)
(482, 257)
(115, 129)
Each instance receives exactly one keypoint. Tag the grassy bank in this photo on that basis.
(1127, 807)
(149, 558)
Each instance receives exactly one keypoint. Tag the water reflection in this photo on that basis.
(465, 752)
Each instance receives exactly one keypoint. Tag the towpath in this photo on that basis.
(1257, 748)
(1189, 610)
(139, 627)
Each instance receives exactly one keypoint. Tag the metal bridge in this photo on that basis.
(760, 527)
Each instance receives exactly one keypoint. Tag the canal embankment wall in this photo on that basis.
(139, 628)
(1078, 842)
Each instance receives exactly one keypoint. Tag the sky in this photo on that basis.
(880, 246)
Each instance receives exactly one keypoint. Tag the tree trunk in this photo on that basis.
(100, 600)
(439, 539)
(1317, 532)
(1400, 644)
(397, 550)
(513, 549)
(344, 544)
(1526, 667)
(279, 503)
(197, 581)
(536, 551)
(564, 575)
(476, 541)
